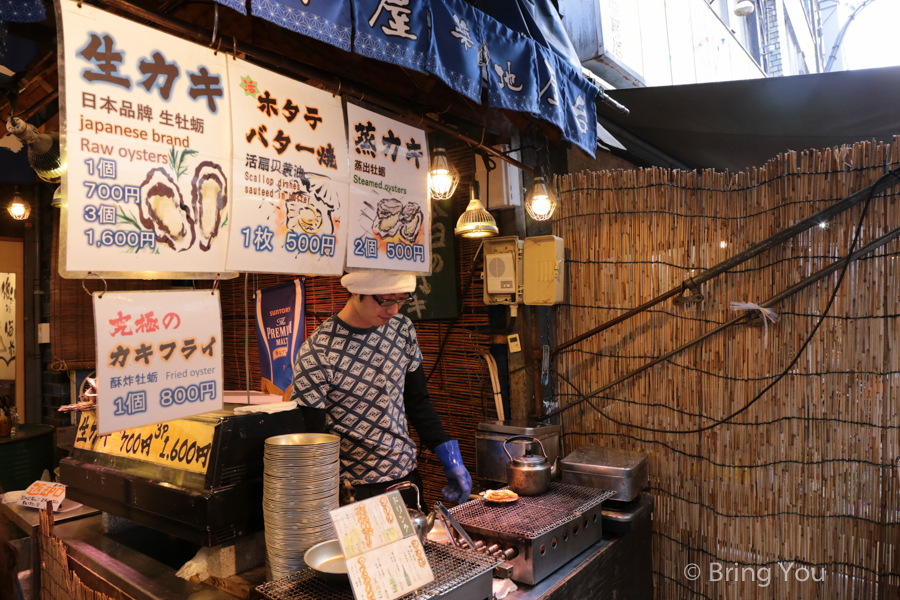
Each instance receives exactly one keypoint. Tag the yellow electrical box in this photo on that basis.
(544, 264)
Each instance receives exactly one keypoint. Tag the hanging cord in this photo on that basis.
(453, 322)
(846, 260)
(246, 340)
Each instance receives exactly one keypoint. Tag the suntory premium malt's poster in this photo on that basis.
(390, 215)
(290, 174)
(148, 141)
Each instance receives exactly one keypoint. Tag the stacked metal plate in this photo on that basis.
(300, 486)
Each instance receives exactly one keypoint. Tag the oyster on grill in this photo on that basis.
(209, 197)
(387, 221)
(163, 210)
(411, 221)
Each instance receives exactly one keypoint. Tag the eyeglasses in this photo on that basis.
(390, 302)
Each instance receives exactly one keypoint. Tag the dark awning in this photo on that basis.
(738, 124)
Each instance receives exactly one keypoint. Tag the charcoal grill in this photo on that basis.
(458, 575)
(536, 535)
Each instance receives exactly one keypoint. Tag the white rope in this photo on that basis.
(767, 315)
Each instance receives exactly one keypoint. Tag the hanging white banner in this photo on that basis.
(159, 356)
(390, 215)
(291, 174)
(148, 140)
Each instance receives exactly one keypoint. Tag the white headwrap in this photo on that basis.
(375, 283)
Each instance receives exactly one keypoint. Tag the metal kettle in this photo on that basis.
(529, 475)
(422, 523)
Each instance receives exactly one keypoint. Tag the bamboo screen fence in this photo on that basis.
(803, 484)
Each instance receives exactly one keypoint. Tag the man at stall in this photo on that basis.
(360, 377)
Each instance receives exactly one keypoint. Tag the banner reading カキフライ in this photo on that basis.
(390, 215)
(148, 136)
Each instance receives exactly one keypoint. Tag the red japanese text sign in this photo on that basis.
(159, 356)
(39, 492)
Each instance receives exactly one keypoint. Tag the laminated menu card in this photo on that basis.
(384, 557)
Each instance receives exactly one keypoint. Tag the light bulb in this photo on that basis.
(723, 244)
(540, 201)
(540, 205)
(441, 183)
(17, 210)
(442, 176)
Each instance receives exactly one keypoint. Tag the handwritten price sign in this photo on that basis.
(39, 492)
(182, 444)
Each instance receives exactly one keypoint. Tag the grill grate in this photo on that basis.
(531, 516)
(451, 566)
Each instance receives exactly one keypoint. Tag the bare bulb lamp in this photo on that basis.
(541, 200)
(18, 207)
(476, 222)
(442, 176)
(43, 149)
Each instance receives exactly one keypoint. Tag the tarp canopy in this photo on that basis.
(738, 124)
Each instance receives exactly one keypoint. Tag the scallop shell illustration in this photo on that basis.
(163, 210)
(209, 197)
(388, 221)
(411, 219)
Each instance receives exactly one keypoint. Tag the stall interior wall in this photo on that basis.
(459, 386)
(803, 485)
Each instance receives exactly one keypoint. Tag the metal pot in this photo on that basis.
(529, 475)
(421, 522)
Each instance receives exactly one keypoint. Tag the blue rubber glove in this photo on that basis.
(459, 482)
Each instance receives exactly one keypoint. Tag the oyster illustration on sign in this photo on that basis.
(411, 219)
(387, 220)
(209, 197)
(162, 209)
(311, 208)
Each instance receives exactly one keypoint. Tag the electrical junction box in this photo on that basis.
(514, 344)
(502, 188)
(502, 270)
(544, 270)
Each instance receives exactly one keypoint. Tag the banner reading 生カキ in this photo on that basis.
(390, 215)
(148, 138)
(291, 174)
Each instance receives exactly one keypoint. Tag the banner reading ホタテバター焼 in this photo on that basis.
(290, 173)
(390, 215)
(148, 137)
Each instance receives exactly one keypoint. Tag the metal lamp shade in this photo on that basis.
(43, 149)
(58, 199)
(476, 222)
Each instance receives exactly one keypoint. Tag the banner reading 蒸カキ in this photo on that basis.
(291, 174)
(148, 136)
(389, 215)
(159, 356)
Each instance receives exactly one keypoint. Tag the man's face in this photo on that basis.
(371, 312)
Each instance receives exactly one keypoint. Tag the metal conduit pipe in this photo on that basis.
(784, 294)
(694, 283)
(273, 59)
